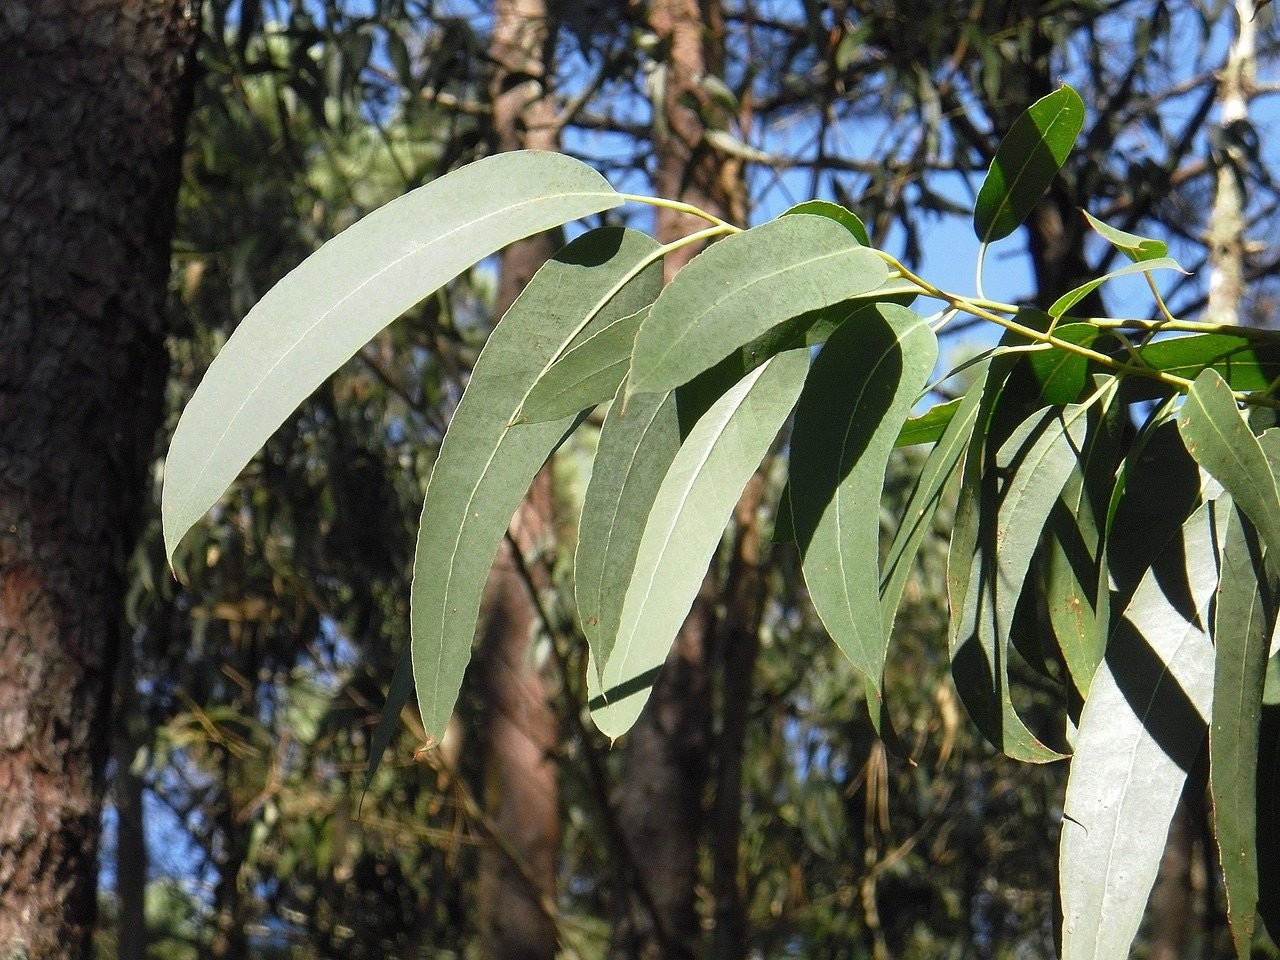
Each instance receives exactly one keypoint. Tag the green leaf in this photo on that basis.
(1243, 622)
(738, 288)
(399, 693)
(1018, 486)
(1246, 364)
(637, 445)
(940, 466)
(1073, 548)
(1134, 247)
(1027, 160)
(1063, 375)
(833, 211)
(863, 384)
(587, 375)
(684, 529)
(1140, 731)
(485, 466)
(336, 300)
(1072, 297)
(930, 425)
(1218, 437)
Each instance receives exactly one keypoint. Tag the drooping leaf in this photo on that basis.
(399, 693)
(1072, 297)
(588, 374)
(1017, 489)
(684, 528)
(1073, 548)
(833, 211)
(863, 383)
(485, 466)
(1027, 160)
(1216, 434)
(1134, 247)
(1243, 622)
(738, 288)
(636, 447)
(939, 467)
(928, 426)
(323, 311)
(1140, 731)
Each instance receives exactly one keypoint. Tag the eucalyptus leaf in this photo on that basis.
(939, 468)
(1072, 297)
(833, 211)
(1244, 618)
(1244, 362)
(685, 526)
(588, 374)
(1218, 437)
(1027, 160)
(336, 300)
(740, 287)
(1140, 731)
(399, 693)
(1019, 484)
(928, 426)
(485, 465)
(862, 386)
(1134, 247)
(637, 444)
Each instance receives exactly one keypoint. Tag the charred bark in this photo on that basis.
(93, 98)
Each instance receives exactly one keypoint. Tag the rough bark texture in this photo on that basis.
(93, 96)
(660, 797)
(519, 732)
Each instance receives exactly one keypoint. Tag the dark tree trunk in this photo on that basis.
(127, 790)
(93, 97)
(517, 872)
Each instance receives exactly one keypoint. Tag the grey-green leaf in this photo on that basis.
(329, 306)
(1134, 247)
(833, 211)
(742, 286)
(1140, 731)
(862, 386)
(1027, 160)
(1072, 297)
(485, 466)
(1244, 618)
(587, 375)
(928, 426)
(940, 466)
(637, 445)
(684, 529)
(1217, 435)
(1018, 487)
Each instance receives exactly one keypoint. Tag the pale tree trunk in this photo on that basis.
(660, 797)
(1226, 235)
(517, 875)
(93, 97)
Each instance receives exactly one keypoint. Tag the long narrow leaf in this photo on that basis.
(323, 311)
(485, 466)
(1243, 622)
(1018, 488)
(862, 386)
(685, 526)
(637, 444)
(738, 288)
(1140, 731)
(1072, 297)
